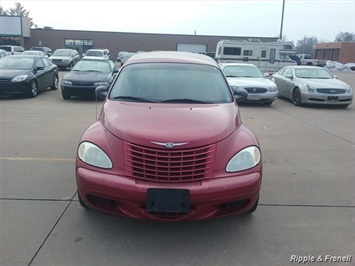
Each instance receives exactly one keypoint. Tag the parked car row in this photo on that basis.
(300, 84)
(161, 168)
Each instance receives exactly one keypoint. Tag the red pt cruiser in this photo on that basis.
(169, 144)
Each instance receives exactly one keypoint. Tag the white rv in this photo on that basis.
(267, 56)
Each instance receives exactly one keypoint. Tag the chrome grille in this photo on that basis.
(169, 165)
(256, 90)
(331, 91)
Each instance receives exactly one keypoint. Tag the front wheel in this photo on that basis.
(296, 97)
(66, 97)
(33, 91)
(55, 84)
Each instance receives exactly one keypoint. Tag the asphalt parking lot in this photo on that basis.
(305, 215)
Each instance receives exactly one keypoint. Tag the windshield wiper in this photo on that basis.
(183, 101)
(136, 99)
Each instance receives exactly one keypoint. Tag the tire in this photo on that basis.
(296, 97)
(82, 203)
(253, 209)
(65, 96)
(32, 93)
(309, 64)
(55, 84)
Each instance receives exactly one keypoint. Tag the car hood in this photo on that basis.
(323, 83)
(143, 123)
(246, 82)
(11, 73)
(86, 76)
(59, 57)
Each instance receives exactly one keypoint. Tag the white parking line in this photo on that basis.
(37, 159)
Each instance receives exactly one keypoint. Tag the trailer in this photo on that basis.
(267, 56)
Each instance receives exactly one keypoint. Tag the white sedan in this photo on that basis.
(312, 85)
(247, 76)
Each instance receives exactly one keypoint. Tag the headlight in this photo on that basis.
(309, 88)
(91, 154)
(272, 89)
(20, 78)
(348, 89)
(66, 82)
(103, 83)
(245, 159)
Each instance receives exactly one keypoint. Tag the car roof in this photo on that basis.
(236, 64)
(305, 66)
(94, 58)
(171, 57)
(28, 55)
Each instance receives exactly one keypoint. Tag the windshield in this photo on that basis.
(171, 82)
(313, 73)
(62, 53)
(6, 48)
(92, 65)
(94, 53)
(13, 62)
(242, 71)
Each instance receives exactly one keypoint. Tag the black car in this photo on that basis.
(86, 75)
(45, 50)
(27, 75)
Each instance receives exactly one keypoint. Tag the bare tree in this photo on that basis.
(306, 45)
(345, 37)
(19, 10)
(2, 11)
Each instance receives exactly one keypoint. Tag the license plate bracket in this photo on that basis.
(168, 200)
(332, 98)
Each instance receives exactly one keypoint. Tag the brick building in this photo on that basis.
(342, 52)
(125, 41)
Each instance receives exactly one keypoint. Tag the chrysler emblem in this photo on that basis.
(332, 91)
(169, 145)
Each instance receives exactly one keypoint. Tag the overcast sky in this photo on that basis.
(323, 19)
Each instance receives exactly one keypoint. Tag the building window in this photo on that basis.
(80, 45)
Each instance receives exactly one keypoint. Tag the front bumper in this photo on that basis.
(325, 99)
(14, 88)
(210, 198)
(262, 97)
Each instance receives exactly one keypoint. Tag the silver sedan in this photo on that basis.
(247, 76)
(312, 85)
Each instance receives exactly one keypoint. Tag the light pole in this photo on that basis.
(282, 18)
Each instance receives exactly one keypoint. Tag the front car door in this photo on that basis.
(43, 74)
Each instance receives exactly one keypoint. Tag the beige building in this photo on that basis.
(342, 52)
(126, 41)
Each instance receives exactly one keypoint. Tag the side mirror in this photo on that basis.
(115, 70)
(266, 75)
(289, 76)
(101, 92)
(239, 94)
